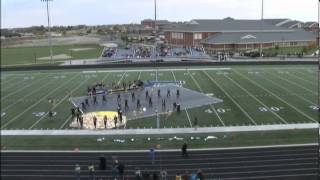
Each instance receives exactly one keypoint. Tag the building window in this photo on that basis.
(197, 36)
(176, 35)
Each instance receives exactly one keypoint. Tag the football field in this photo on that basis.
(252, 95)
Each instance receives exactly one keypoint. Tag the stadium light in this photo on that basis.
(49, 30)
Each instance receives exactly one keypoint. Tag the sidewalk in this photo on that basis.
(111, 132)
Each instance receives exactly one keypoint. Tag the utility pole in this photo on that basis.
(261, 28)
(318, 45)
(155, 28)
(49, 29)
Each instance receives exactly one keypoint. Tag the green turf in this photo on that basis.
(141, 142)
(251, 95)
(29, 55)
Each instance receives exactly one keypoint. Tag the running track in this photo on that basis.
(294, 162)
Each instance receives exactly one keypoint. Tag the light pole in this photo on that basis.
(155, 29)
(49, 30)
(261, 28)
(318, 49)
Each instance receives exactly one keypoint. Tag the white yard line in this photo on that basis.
(305, 115)
(230, 97)
(291, 92)
(174, 77)
(251, 95)
(67, 120)
(121, 78)
(56, 105)
(298, 85)
(40, 100)
(139, 76)
(188, 117)
(307, 81)
(22, 88)
(26, 95)
(11, 85)
(211, 106)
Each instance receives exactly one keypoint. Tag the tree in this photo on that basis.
(100, 32)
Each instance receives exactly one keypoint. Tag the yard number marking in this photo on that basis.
(272, 108)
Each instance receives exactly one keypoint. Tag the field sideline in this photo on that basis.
(252, 95)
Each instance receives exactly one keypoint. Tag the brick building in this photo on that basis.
(150, 23)
(234, 34)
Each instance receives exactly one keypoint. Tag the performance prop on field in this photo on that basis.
(113, 107)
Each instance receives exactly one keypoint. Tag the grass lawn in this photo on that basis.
(28, 55)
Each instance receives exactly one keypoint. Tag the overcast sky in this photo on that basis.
(23, 13)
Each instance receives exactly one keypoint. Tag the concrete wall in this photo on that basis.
(185, 64)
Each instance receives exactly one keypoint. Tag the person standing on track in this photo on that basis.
(91, 171)
(121, 170)
(102, 164)
(184, 150)
(152, 155)
(77, 170)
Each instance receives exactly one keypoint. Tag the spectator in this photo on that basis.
(184, 150)
(77, 170)
(193, 175)
(138, 175)
(186, 176)
(163, 175)
(145, 175)
(152, 155)
(178, 176)
(200, 175)
(121, 169)
(155, 175)
(114, 173)
(91, 171)
(102, 164)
